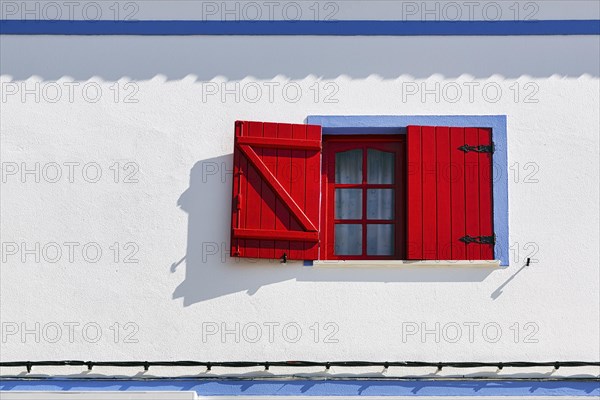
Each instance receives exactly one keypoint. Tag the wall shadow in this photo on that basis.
(296, 57)
(210, 272)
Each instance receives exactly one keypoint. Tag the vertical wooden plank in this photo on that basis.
(414, 195)
(268, 205)
(235, 207)
(327, 206)
(472, 193)
(444, 220)
(428, 154)
(400, 199)
(313, 188)
(457, 193)
(243, 190)
(253, 194)
(486, 214)
(283, 174)
(298, 187)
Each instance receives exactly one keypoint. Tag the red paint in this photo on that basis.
(271, 233)
(313, 188)
(486, 213)
(293, 203)
(472, 193)
(429, 179)
(274, 215)
(457, 193)
(298, 190)
(237, 200)
(283, 170)
(339, 143)
(441, 193)
(414, 195)
(444, 201)
(272, 142)
(449, 193)
(267, 220)
(253, 193)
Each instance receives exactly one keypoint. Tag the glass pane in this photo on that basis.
(380, 240)
(380, 203)
(348, 203)
(380, 166)
(348, 239)
(348, 166)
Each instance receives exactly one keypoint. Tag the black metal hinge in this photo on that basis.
(479, 149)
(478, 239)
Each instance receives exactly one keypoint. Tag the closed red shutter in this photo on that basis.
(449, 193)
(276, 190)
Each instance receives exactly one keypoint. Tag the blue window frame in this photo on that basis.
(391, 124)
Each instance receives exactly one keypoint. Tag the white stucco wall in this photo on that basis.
(173, 145)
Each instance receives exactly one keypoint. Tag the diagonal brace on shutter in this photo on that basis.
(272, 181)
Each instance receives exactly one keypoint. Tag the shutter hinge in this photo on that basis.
(479, 149)
(478, 239)
(238, 202)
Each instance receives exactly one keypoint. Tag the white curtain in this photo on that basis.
(380, 239)
(380, 202)
(348, 166)
(380, 166)
(348, 203)
(348, 239)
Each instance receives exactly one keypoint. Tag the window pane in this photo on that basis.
(380, 240)
(348, 239)
(380, 203)
(348, 166)
(380, 166)
(348, 203)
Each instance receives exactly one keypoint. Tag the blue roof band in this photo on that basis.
(321, 28)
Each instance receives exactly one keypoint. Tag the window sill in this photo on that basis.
(407, 263)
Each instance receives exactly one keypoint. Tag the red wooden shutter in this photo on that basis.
(276, 190)
(449, 194)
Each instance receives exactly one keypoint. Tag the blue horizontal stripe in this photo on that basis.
(327, 28)
(350, 388)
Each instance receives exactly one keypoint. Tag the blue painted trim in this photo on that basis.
(304, 27)
(392, 124)
(354, 388)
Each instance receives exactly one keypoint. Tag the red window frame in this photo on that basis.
(388, 143)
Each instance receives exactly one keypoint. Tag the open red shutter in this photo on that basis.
(449, 194)
(276, 190)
